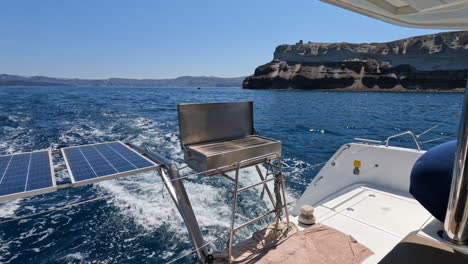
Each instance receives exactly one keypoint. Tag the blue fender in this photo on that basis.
(431, 178)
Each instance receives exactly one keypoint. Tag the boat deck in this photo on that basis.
(375, 218)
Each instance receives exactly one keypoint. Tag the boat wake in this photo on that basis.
(140, 209)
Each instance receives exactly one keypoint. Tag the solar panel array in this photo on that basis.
(98, 162)
(32, 173)
(26, 174)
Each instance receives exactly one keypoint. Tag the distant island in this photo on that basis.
(437, 62)
(184, 81)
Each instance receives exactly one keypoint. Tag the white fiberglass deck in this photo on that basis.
(375, 218)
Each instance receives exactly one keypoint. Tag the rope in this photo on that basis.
(317, 165)
(437, 125)
(181, 168)
(435, 139)
(279, 200)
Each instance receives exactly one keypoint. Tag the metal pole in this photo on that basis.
(171, 179)
(456, 219)
(185, 209)
(233, 215)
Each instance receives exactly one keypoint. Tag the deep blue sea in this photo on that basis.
(138, 223)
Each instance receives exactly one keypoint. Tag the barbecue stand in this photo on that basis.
(218, 138)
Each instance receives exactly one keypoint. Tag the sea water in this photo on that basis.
(138, 223)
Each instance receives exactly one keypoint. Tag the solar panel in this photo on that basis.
(97, 162)
(26, 174)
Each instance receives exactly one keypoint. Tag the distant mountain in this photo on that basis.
(184, 81)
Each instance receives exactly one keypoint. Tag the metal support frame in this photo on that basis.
(265, 187)
(267, 160)
(456, 218)
(171, 179)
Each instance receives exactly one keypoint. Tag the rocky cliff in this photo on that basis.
(430, 62)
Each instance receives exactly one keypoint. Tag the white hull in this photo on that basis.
(375, 206)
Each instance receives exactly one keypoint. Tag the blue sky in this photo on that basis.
(165, 39)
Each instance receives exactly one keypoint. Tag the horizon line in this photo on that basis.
(135, 78)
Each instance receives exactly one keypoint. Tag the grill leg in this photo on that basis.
(233, 214)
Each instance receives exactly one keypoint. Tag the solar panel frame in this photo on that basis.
(76, 183)
(34, 192)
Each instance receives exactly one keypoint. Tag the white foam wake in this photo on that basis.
(8, 209)
(142, 198)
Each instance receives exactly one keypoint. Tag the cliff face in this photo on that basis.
(430, 62)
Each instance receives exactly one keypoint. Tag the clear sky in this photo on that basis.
(165, 39)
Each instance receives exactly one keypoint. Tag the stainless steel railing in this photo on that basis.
(401, 134)
(387, 141)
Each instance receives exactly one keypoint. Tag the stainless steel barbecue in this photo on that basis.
(217, 135)
(220, 137)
